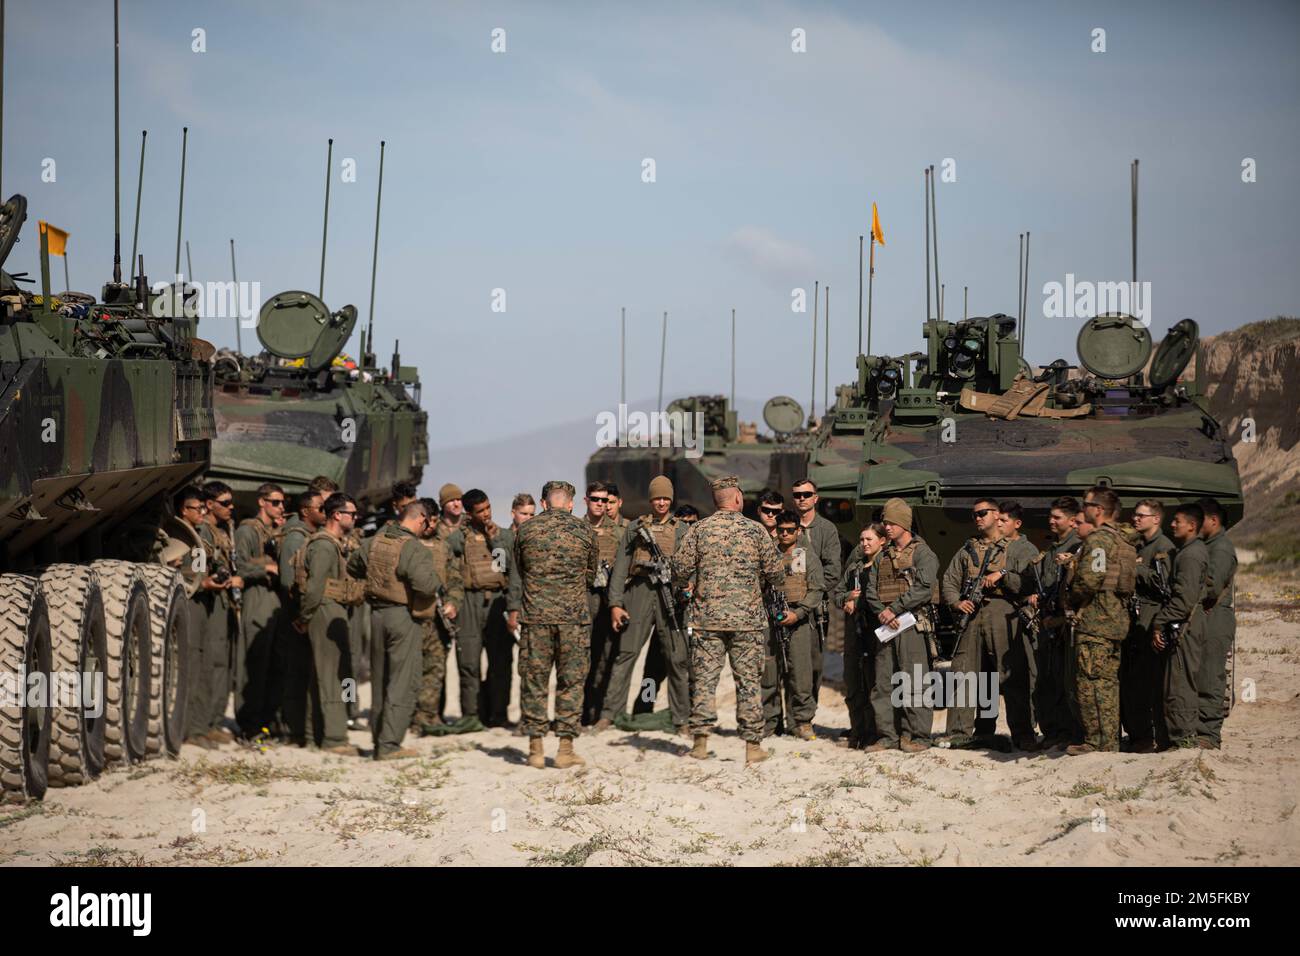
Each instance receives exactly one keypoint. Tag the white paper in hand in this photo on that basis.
(885, 633)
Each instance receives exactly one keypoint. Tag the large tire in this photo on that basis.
(24, 649)
(130, 710)
(80, 646)
(169, 617)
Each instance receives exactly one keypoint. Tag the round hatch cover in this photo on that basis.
(1174, 353)
(1114, 346)
(332, 338)
(290, 323)
(783, 414)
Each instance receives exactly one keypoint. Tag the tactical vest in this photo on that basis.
(665, 535)
(607, 535)
(383, 584)
(266, 538)
(894, 578)
(342, 588)
(438, 549)
(476, 564)
(796, 582)
(222, 550)
(1121, 575)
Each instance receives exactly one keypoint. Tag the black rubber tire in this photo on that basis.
(24, 649)
(169, 622)
(79, 643)
(130, 710)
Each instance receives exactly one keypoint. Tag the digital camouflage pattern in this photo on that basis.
(555, 558)
(725, 560)
(543, 647)
(1100, 608)
(709, 650)
(1096, 681)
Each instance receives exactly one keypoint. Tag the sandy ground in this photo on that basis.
(472, 800)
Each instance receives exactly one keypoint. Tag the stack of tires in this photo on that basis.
(92, 672)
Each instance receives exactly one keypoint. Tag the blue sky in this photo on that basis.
(522, 171)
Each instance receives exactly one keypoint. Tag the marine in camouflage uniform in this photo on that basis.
(555, 560)
(259, 683)
(631, 590)
(803, 592)
(1100, 586)
(294, 649)
(484, 551)
(327, 592)
(1142, 668)
(1214, 690)
(1185, 606)
(904, 578)
(990, 635)
(1053, 687)
(431, 697)
(725, 561)
(402, 588)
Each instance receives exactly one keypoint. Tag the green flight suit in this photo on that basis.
(327, 629)
(396, 637)
(258, 687)
(483, 627)
(1142, 667)
(1220, 633)
(293, 650)
(800, 706)
(1183, 671)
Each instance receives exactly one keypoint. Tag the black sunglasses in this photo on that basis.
(785, 530)
(982, 512)
(771, 511)
(599, 501)
(224, 502)
(802, 494)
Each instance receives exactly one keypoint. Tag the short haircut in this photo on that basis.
(561, 490)
(521, 499)
(1195, 512)
(725, 494)
(268, 488)
(805, 481)
(188, 493)
(612, 489)
(986, 501)
(415, 509)
(687, 511)
(596, 486)
(473, 497)
(1105, 497)
(1012, 510)
(1213, 509)
(431, 506)
(1067, 504)
(1151, 504)
(770, 497)
(214, 490)
(787, 517)
(326, 486)
(403, 489)
(337, 502)
(308, 495)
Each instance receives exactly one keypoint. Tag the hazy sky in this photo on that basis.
(522, 171)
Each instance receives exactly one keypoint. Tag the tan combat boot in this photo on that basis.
(754, 753)
(805, 732)
(701, 749)
(566, 758)
(910, 746)
(536, 758)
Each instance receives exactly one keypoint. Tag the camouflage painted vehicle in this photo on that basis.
(968, 418)
(726, 447)
(299, 410)
(105, 411)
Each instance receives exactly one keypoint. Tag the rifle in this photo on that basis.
(973, 591)
(777, 608)
(661, 576)
(1161, 585)
(448, 624)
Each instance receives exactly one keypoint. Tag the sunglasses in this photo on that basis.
(225, 502)
(275, 502)
(771, 511)
(787, 530)
(982, 512)
(194, 508)
(802, 494)
(598, 501)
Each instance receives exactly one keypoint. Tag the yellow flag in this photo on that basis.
(57, 239)
(876, 232)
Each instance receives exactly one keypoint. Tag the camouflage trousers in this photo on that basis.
(564, 647)
(1096, 689)
(708, 651)
(429, 699)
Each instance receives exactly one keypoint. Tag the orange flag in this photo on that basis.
(56, 238)
(876, 232)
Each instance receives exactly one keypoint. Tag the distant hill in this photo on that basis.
(1254, 372)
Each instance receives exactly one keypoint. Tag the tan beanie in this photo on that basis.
(660, 487)
(446, 493)
(897, 512)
